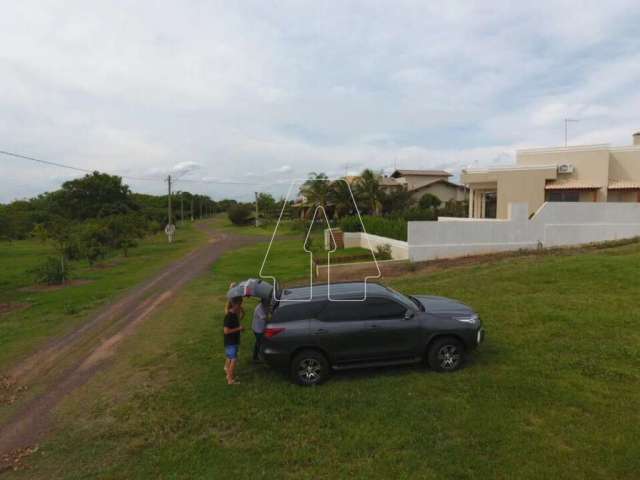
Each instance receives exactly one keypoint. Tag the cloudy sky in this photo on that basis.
(264, 92)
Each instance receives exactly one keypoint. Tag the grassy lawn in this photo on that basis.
(222, 223)
(51, 311)
(553, 393)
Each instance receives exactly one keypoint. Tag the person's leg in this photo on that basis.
(226, 364)
(231, 371)
(232, 356)
(256, 347)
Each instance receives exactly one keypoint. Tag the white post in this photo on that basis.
(471, 195)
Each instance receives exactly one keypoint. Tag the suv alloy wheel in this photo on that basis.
(446, 354)
(309, 367)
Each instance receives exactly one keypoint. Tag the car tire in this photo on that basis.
(308, 368)
(446, 354)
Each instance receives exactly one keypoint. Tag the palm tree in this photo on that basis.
(316, 191)
(368, 191)
(340, 197)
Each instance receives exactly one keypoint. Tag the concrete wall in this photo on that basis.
(625, 164)
(399, 249)
(590, 163)
(555, 224)
(513, 185)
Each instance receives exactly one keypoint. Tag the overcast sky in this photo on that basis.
(264, 92)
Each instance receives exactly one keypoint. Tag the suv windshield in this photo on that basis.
(404, 300)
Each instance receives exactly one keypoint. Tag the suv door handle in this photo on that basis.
(321, 331)
(373, 326)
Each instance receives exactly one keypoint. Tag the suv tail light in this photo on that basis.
(271, 332)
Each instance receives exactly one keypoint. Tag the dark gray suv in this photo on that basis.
(314, 330)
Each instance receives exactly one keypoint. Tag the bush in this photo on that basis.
(429, 200)
(390, 227)
(240, 214)
(420, 214)
(53, 271)
(383, 252)
(94, 240)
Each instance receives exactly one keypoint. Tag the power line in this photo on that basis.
(69, 167)
(265, 185)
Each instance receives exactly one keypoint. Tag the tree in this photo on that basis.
(240, 214)
(94, 195)
(124, 231)
(59, 232)
(368, 191)
(340, 196)
(429, 201)
(267, 205)
(316, 190)
(94, 240)
(396, 201)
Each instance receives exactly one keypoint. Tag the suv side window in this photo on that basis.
(383, 308)
(337, 311)
(291, 311)
(369, 309)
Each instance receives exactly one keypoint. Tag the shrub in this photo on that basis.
(390, 227)
(94, 240)
(240, 214)
(420, 214)
(383, 252)
(53, 271)
(454, 208)
(429, 200)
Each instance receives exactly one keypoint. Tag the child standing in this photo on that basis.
(232, 330)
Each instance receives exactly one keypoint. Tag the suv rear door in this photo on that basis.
(342, 330)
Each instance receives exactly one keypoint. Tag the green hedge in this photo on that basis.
(390, 227)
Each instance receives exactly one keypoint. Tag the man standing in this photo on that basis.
(260, 315)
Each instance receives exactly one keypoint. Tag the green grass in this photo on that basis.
(222, 223)
(553, 393)
(50, 312)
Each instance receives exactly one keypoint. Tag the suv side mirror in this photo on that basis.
(408, 315)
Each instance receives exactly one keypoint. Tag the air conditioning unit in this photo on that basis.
(565, 168)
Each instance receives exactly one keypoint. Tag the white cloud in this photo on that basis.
(283, 169)
(245, 88)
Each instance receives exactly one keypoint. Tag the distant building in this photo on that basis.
(417, 182)
(420, 182)
(587, 173)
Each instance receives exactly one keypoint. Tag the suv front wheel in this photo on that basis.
(446, 354)
(309, 367)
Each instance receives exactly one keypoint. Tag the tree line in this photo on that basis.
(88, 217)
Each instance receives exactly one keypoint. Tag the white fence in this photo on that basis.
(399, 249)
(554, 224)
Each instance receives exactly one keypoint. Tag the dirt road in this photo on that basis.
(67, 362)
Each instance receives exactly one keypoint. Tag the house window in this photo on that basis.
(564, 196)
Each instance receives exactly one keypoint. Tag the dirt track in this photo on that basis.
(67, 362)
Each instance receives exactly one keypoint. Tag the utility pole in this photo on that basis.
(181, 208)
(256, 194)
(200, 202)
(192, 208)
(566, 128)
(169, 198)
(170, 229)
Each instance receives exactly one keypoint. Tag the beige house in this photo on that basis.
(588, 173)
(419, 182)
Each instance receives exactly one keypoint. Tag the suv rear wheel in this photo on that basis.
(309, 367)
(446, 354)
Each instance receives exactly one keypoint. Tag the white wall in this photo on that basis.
(399, 249)
(554, 224)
